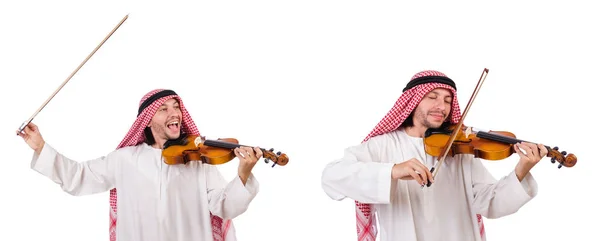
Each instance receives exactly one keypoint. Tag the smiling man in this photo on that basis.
(156, 201)
(384, 174)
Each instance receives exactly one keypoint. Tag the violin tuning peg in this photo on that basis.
(553, 159)
(267, 160)
(274, 163)
(278, 153)
(564, 153)
(272, 149)
(555, 148)
(559, 166)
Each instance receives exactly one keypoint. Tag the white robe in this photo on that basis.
(155, 201)
(444, 211)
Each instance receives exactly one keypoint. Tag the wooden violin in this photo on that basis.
(492, 145)
(214, 152)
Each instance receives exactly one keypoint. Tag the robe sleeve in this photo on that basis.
(229, 199)
(497, 198)
(360, 174)
(73, 177)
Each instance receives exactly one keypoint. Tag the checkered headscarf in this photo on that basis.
(419, 85)
(148, 107)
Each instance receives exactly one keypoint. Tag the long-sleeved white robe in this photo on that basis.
(444, 211)
(155, 201)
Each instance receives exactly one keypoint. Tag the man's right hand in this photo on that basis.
(32, 137)
(412, 169)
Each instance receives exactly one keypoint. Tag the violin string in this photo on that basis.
(497, 137)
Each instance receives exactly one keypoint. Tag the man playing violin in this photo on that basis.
(385, 174)
(156, 201)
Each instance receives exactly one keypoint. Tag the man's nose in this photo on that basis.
(171, 112)
(440, 104)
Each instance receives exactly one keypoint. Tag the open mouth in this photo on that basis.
(173, 125)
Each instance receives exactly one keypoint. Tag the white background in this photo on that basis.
(308, 78)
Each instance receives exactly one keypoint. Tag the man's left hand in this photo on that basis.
(248, 157)
(530, 156)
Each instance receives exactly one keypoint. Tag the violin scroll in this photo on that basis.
(568, 161)
(277, 158)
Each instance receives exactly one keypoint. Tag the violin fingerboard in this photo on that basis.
(221, 144)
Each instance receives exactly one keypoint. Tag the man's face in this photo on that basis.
(166, 123)
(433, 109)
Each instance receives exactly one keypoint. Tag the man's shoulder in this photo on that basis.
(384, 137)
(382, 141)
(130, 150)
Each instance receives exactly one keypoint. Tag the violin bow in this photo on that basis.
(25, 123)
(442, 156)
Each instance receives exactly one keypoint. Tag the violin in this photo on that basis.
(214, 152)
(492, 145)
(451, 140)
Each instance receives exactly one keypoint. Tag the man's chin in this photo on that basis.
(434, 125)
(173, 136)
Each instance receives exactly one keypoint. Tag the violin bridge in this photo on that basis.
(467, 132)
(197, 141)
